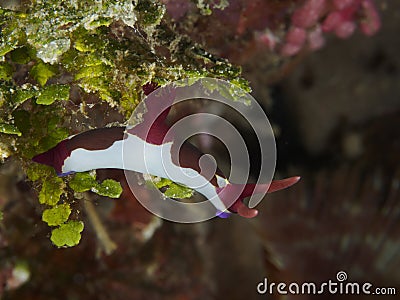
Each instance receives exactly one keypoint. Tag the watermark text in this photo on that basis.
(339, 286)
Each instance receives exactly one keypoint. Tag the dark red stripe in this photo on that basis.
(54, 157)
(96, 139)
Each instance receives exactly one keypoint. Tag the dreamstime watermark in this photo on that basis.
(340, 286)
(160, 159)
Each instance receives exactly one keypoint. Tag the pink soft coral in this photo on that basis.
(340, 17)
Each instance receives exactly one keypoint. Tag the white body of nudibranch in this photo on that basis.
(135, 154)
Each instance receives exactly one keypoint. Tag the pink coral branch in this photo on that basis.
(371, 24)
(313, 18)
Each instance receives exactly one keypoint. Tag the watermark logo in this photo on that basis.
(160, 159)
(341, 276)
(340, 286)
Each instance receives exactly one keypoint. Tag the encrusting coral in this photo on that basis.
(61, 62)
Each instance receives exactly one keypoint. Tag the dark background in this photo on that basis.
(337, 118)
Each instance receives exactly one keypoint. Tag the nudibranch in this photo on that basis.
(155, 154)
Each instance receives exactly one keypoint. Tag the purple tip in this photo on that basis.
(65, 174)
(223, 214)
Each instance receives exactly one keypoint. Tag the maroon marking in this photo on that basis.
(54, 157)
(96, 139)
(153, 128)
(151, 133)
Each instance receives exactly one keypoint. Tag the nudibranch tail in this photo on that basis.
(54, 157)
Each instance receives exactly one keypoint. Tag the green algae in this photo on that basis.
(106, 50)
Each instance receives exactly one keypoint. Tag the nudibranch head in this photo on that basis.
(242, 191)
